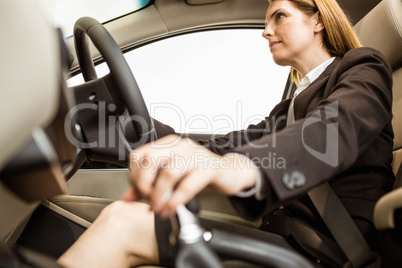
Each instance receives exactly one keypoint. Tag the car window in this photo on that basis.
(208, 82)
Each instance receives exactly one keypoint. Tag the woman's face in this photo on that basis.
(293, 36)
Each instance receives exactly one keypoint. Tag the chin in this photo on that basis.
(280, 61)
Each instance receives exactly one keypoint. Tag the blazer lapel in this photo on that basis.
(303, 100)
(281, 108)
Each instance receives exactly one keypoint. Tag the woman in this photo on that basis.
(336, 128)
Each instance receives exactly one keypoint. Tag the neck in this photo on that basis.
(312, 60)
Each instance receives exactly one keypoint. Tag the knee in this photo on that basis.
(115, 209)
(120, 213)
(130, 225)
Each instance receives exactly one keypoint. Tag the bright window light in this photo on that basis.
(207, 82)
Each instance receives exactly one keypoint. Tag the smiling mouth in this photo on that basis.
(271, 45)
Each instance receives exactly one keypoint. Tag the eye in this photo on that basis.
(279, 16)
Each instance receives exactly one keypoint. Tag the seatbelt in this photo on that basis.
(342, 227)
(338, 220)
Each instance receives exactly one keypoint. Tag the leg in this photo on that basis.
(122, 236)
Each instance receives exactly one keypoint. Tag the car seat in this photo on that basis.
(382, 29)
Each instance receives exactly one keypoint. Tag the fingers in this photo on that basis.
(171, 186)
(147, 160)
(142, 172)
(131, 195)
(169, 176)
(187, 188)
(165, 183)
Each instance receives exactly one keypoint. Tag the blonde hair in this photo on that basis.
(338, 35)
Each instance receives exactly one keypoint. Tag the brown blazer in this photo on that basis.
(342, 134)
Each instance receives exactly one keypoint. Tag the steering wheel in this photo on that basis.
(119, 87)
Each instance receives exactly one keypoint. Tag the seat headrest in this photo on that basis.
(381, 29)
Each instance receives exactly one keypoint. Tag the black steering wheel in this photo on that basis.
(119, 88)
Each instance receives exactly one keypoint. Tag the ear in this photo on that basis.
(317, 22)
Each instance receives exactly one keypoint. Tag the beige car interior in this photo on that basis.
(89, 191)
(388, 39)
(218, 207)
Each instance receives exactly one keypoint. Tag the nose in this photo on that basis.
(268, 31)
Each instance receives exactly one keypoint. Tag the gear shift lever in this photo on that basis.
(193, 250)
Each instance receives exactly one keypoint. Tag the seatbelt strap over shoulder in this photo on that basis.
(342, 226)
(338, 221)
